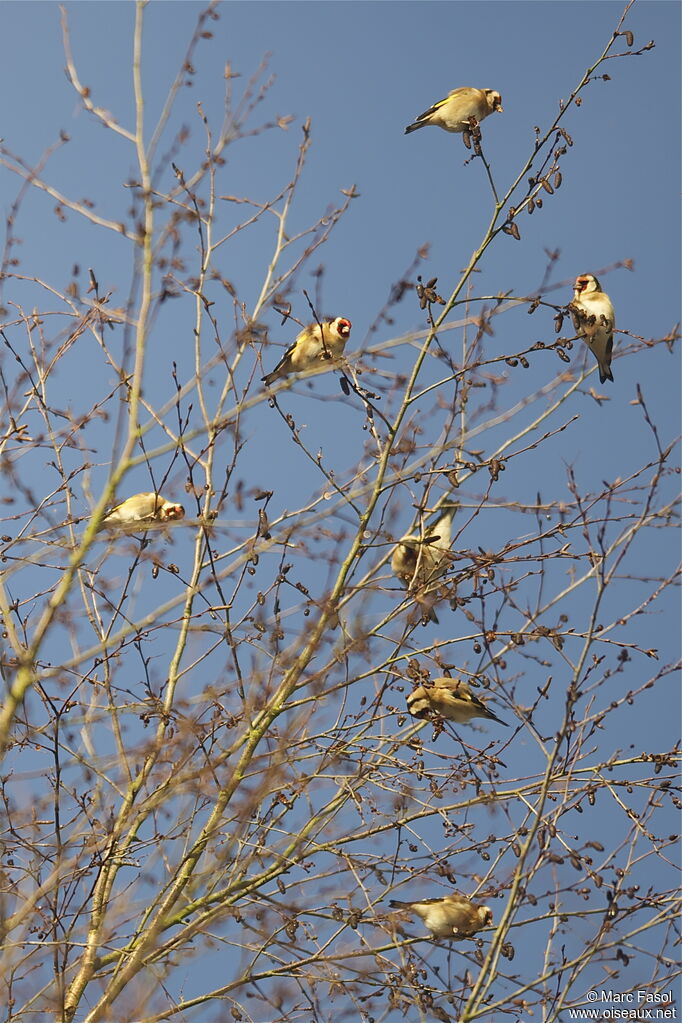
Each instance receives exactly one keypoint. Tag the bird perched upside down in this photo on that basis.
(142, 510)
(450, 698)
(594, 321)
(315, 344)
(452, 916)
(453, 113)
(420, 561)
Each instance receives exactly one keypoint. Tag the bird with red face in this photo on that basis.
(315, 344)
(141, 510)
(594, 321)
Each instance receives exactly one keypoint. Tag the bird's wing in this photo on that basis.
(287, 355)
(441, 102)
(462, 694)
(453, 685)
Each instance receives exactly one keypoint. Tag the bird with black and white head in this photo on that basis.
(594, 321)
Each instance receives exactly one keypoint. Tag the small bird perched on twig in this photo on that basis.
(594, 321)
(315, 344)
(452, 916)
(420, 561)
(142, 510)
(453, 113)
(449, 698)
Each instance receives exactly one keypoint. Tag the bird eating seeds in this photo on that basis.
(449, 698)
(420, 561)
(454, 112)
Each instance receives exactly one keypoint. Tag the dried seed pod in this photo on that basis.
(538, 202)
(531, 205)
(629, 38)
(524, 361)
(558, 179)
(578, 101)
(263, 525)
(562, 355)
(343, 381)
(547, 187)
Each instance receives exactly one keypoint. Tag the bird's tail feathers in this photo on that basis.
(425, 605)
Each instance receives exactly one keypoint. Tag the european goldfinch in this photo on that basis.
(453, 112)
(452, 916)
(143, 509)
(312, 346)
(451, 698)
(594, 321)
(420, 561)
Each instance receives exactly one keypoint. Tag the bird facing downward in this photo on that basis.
(452, 916)
(449, 698)
(453, 112)
(594, 321)
(315, 344)
(420, 561)
(143, 509)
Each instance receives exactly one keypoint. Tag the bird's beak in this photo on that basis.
(499, 108)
